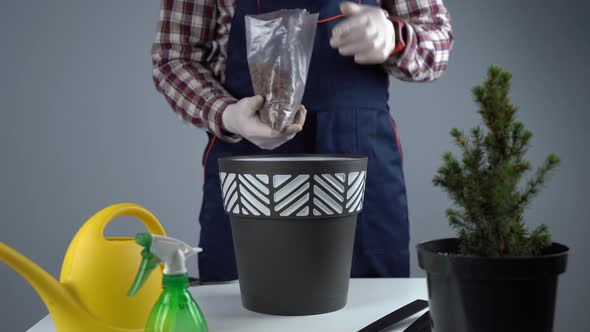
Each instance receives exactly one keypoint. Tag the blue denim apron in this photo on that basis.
(348, 113)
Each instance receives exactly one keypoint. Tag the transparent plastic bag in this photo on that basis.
(279, 46)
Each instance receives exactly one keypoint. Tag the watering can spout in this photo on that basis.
(49, 289)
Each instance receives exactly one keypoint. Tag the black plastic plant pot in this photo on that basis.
(293, 222)
(479, 294)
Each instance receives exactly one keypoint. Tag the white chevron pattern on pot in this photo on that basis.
(329, 194)
(229, 191)
(293, 195)
(356, 191)
(254, 194)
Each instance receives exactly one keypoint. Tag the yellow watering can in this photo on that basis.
(95, 277)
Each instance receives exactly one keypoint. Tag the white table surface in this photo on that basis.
(368, 300)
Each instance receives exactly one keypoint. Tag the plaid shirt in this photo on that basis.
(190, 52)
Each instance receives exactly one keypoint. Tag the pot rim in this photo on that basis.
(292, 158)
(563, 249)
(547, 265)
(299, 186)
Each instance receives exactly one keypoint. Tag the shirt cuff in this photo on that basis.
(401, 59)
(400, 38)
(215, 120)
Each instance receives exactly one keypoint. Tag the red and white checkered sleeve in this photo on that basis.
(185, 40)
(429, 40)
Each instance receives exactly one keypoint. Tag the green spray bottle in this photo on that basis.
(176, 310)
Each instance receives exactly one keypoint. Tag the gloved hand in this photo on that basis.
(367, 34)
(242, 118)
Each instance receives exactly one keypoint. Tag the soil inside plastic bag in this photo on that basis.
(280, 46)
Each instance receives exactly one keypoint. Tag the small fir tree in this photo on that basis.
(489, 201)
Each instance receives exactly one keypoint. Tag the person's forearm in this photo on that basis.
(193, 93)
(428, 38)
(179, 56)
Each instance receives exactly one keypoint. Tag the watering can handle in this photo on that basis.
(103, 218)
(93, 229)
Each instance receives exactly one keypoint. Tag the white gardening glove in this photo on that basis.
(366, 33)
(242, 118)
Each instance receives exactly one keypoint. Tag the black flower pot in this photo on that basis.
(293, 222)
(479, 294)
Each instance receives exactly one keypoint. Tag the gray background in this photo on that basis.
(82, 127)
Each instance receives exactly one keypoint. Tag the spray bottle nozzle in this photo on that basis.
(143, 239)
(160, 249)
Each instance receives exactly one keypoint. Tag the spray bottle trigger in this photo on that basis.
(148, 263)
